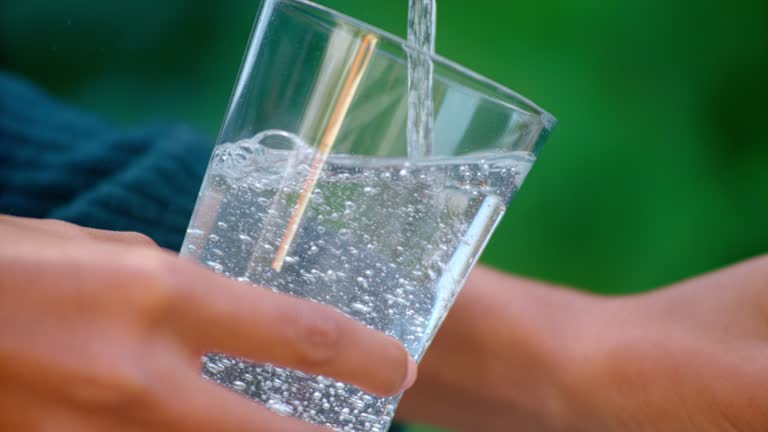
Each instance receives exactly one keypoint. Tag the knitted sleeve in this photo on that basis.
(58, 162)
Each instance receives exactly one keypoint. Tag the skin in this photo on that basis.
(103, 331)
(692, 357)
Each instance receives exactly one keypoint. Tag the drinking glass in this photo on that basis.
(311, 191)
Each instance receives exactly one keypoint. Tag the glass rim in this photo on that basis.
(548, 120)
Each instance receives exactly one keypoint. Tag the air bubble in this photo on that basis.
(215, 266)
(214, 367)
(349, 208)
(280, 407)
(360, 308)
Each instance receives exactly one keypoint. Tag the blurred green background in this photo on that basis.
(657, 171)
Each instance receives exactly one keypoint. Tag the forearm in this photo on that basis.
(501, 358)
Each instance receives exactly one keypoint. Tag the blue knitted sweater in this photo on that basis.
(59, 162)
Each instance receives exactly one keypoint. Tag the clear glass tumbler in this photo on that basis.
(311, 191)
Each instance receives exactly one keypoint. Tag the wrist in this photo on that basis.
(502, 359)
(534, 355)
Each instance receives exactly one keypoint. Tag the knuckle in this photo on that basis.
(58, 223)
(64, 227)
(138, 238)
(318, 337)
(157, 291)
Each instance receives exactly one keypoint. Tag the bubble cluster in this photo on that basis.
(387, 241)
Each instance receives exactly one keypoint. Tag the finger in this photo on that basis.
(123, 237)
(48, 227)
(217, 314)
(63, 229)
(204, 406)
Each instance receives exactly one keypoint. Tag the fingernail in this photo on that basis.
(410, 375)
